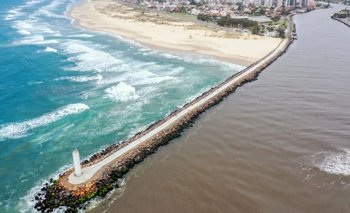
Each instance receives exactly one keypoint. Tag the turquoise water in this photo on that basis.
(63, 87)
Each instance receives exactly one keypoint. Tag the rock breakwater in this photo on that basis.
(62, 194)
(342, 16)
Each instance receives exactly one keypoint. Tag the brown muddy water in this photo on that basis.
(279, 144)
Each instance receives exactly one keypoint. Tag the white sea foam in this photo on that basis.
(89, 57)
(50, 10)
(23, 25)
(34, 26)
(47, 13)
(32, 3)
(27, 202)
(120, 68)
(30, 83)
(143, 74)
(115, 79)
(20, 129)
(129, 77)
(212, 62)
(192, 58)
(170, 56)
(36, 39)
(14, 13)
(127, 40)
(121, 92)
(50, 50)
(83, 35)
(335, 162)
(154, 80)
(142, 65)
(24, 32)
(140, 76)
(54, 4)
(81, 78)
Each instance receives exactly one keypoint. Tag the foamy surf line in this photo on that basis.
(20, 129)
(337, 163)
(81, 78)
(121, 92)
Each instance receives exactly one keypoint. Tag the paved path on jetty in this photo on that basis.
(88, 172)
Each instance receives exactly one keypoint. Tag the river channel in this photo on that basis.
(279, 144)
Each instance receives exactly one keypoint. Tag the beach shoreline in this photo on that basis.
(172, 35)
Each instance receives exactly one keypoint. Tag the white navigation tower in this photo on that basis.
(76, 162)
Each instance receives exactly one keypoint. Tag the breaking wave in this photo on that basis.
(82, 35)
(20, 129)
(27, 202)
(89, 58)
(33, 26)
(81, 78)
(337, 163)
(37, 39)
(50, 50)
(13, 13)
(192, 58)
(155, 80)
(121, 92)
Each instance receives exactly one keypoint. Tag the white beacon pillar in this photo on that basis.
(76, 162)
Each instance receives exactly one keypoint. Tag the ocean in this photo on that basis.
(64, 87)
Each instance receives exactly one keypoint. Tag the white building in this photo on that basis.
(279, 3)
(268, 3)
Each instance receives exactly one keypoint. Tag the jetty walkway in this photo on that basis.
(92, 170)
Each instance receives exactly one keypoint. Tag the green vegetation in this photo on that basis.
(281, 31)
(259, 11)
(270, 29)
(233, 22)
(276, 18)
(204, 17)
(278, 24)
(182, 16)
(294, 28)
(342, 14)
(256, 29)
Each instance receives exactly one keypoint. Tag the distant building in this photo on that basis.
(311, 4)
(279, 3)
(268, 3)
(304, 3)
(256, 2)
(290, 3)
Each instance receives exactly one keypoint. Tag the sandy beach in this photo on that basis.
(165, 32)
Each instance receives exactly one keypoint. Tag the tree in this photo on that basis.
(203, 17)
(281, 31)
(240, 6)
(256, 29)
(236, 22)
